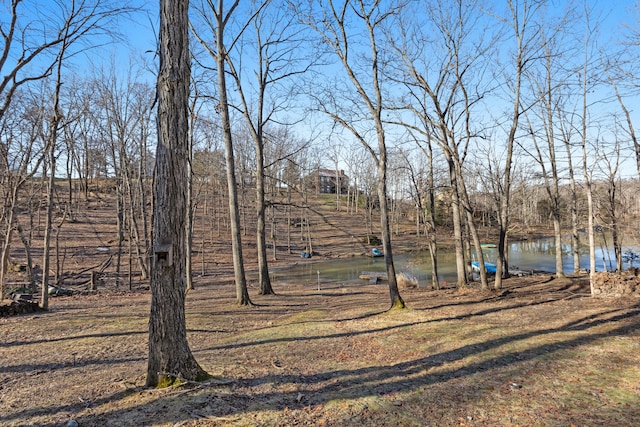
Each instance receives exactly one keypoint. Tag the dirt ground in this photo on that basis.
(539, 352)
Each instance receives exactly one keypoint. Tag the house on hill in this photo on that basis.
(327, 181)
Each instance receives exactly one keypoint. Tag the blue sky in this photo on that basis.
(139, 32)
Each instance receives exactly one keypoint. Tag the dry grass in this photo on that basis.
(406, 281)
(537, 354)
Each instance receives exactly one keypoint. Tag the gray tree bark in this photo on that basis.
(170, 358)
(242, 294)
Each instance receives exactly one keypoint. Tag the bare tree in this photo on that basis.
(629, 74)
(550, 174)
(547, 84)
(442, 99)
(573, 116)
(422, 183)
(337, 24)
(611, 208)
(20, 159)
(524, 33)
(278, 60)
(30, 50)
(587, 170)
(52, 140)
(566, 135)
(170, 358)
(215, 19)
(33, 51)
(630, 128)
(122, 115)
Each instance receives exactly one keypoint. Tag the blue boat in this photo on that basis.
(489, 267)
(375, 252)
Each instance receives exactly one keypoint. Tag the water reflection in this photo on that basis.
(539, 254)
(530, 255)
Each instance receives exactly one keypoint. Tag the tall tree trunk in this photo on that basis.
(461, 268)
(502, 261)
(44, 296)
(394, 293)
(261, 232)
(51, 154)
(522, 14)
(242, 294)
(554, 188)
(371, 17)
(429, 214)
(431, 228)
(573, 206)
(146, 238)
(170, 358)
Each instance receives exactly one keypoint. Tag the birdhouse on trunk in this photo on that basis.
(164, 254)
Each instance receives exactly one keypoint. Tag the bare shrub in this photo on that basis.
(407, 281)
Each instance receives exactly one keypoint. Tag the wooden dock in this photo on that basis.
(373, 276)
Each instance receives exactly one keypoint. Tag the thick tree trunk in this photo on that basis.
(170, 358)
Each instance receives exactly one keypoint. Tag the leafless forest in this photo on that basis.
(221, 140)
(510, 117)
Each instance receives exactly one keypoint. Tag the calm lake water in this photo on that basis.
(528, 255)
